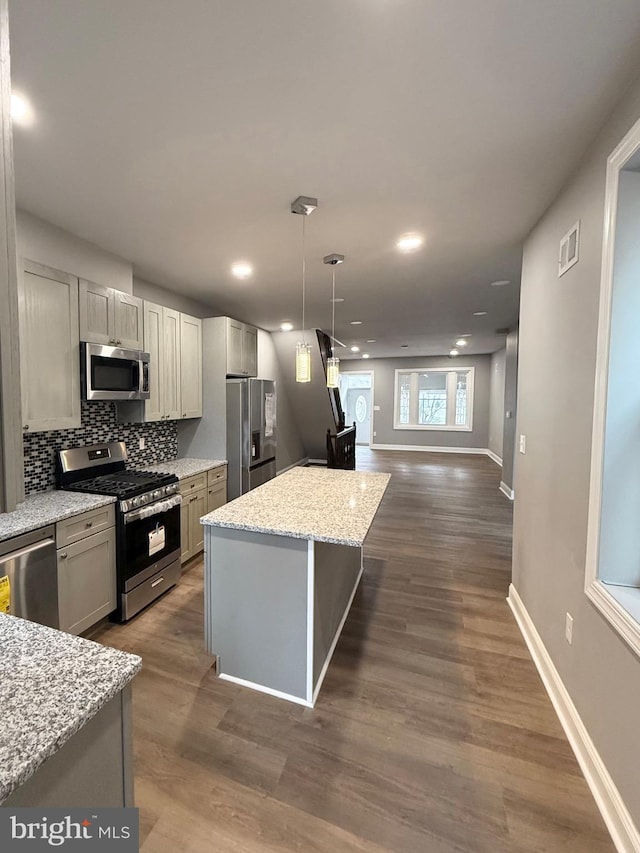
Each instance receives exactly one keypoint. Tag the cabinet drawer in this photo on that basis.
(192, 484)
(216, 495)
(78, 526)
(214, 475)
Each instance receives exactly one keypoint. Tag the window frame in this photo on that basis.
(470, 371)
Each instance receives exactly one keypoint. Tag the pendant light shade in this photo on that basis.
(304, 206)
(303, 362)
(333, 363)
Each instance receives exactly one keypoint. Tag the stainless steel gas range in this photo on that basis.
(147, 519)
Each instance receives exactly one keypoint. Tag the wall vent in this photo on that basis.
(569, 249)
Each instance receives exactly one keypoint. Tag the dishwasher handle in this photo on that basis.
(29, 549)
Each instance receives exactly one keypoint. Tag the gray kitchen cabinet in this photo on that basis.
(216, 487)
(191, 366)
(109, 316)
(171, 364)
(49, 348)
(242, 348)
(154, 345)
(200, 494)
(86, 581)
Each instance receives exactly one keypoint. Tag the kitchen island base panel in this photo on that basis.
(93, 769)
(275, 607)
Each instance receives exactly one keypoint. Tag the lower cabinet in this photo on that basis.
(201, 494)
(87, 581)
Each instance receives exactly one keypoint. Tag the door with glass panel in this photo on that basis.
(356, 396)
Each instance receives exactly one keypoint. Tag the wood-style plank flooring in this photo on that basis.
(432, 731)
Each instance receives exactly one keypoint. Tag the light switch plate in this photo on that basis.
(141, 443)
(523, 444)
(568, 629)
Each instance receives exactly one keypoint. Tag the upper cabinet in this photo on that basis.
(174, 343)
(242, 348)
(191, 366)
(110, 317)
(49, 348)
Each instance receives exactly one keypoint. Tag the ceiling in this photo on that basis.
(176, 136)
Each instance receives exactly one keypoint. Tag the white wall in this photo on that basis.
(172, 299)
(496, 402)
(556, 373)
(47, 244)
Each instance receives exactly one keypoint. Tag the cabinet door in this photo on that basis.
(197, 508)
(186, 546)
(171, 363)
(96, 313)
(127, 320)
(49, 349)
(234, 348)
(216, 495)
(191, 366)
(250, 351)
(87, 581)
(154, 345)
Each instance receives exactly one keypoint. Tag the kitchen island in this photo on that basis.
(282, 565)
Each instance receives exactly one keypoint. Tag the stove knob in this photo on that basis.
(157, 494)
(135, 502)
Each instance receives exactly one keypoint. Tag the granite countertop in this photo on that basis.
(183, 468)
(51, 685)
(47, 508)
(325, 505)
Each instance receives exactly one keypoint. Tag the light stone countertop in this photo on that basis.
(325, 505)
(46, 508)
(183, 468)
(51, 685)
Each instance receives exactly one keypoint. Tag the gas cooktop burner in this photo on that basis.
(123, 484)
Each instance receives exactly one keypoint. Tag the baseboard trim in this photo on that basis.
(476, 451)
(311, 461)
(497, 459)
(301, 462)
(268, 690)
(622, 829)
(506, 490)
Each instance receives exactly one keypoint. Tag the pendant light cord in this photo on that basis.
(304, 272)
(333, 308)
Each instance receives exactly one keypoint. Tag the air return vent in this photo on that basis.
(569, 247)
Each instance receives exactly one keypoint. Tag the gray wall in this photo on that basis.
(45, 243)
(620, 527)
(170, 299)
(496, 402)
(558, 329)
(510, 408)
(384, 378)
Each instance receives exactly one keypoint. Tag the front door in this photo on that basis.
(356, 395)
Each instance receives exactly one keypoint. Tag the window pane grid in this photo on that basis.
(437, 399)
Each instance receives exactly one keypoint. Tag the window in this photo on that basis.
(435, 398)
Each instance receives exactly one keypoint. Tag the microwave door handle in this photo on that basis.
(143, 376)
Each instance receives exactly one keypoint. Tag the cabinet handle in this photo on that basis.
(26, 426)
(89, 524)
(119, 343)
(156, 582)
(63, 556)
(184, 414)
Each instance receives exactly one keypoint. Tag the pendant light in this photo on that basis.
(304, 206)
(333, 363)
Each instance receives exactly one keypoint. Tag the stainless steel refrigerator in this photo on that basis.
(251, 434)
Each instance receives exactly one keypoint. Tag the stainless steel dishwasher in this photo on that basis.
(29, 565)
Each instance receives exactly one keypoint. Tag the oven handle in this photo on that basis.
(152, 509)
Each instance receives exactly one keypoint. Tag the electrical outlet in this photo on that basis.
(568, 629)
(141, 443)
(523, 444)
(374, 433)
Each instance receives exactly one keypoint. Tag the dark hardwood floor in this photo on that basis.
(432, 731)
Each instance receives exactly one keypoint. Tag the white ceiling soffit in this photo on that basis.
(176, 136)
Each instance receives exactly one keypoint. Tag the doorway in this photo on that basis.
(356, 396)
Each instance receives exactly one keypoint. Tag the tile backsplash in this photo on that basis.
(99, 425)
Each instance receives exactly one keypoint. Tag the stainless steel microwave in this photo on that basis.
(112, 373)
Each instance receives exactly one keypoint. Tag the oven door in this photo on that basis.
(112, 373)
(150, 540)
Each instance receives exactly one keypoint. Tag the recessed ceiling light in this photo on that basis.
(286, 327)
(453, 352)
(21, 110)
(355, 349)
(501, 283)
(371, 341)
(409, 242)
(461, 343)
(365, 355)
(242, 269)
(356, 322)
(479, 313)
(337, 299)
